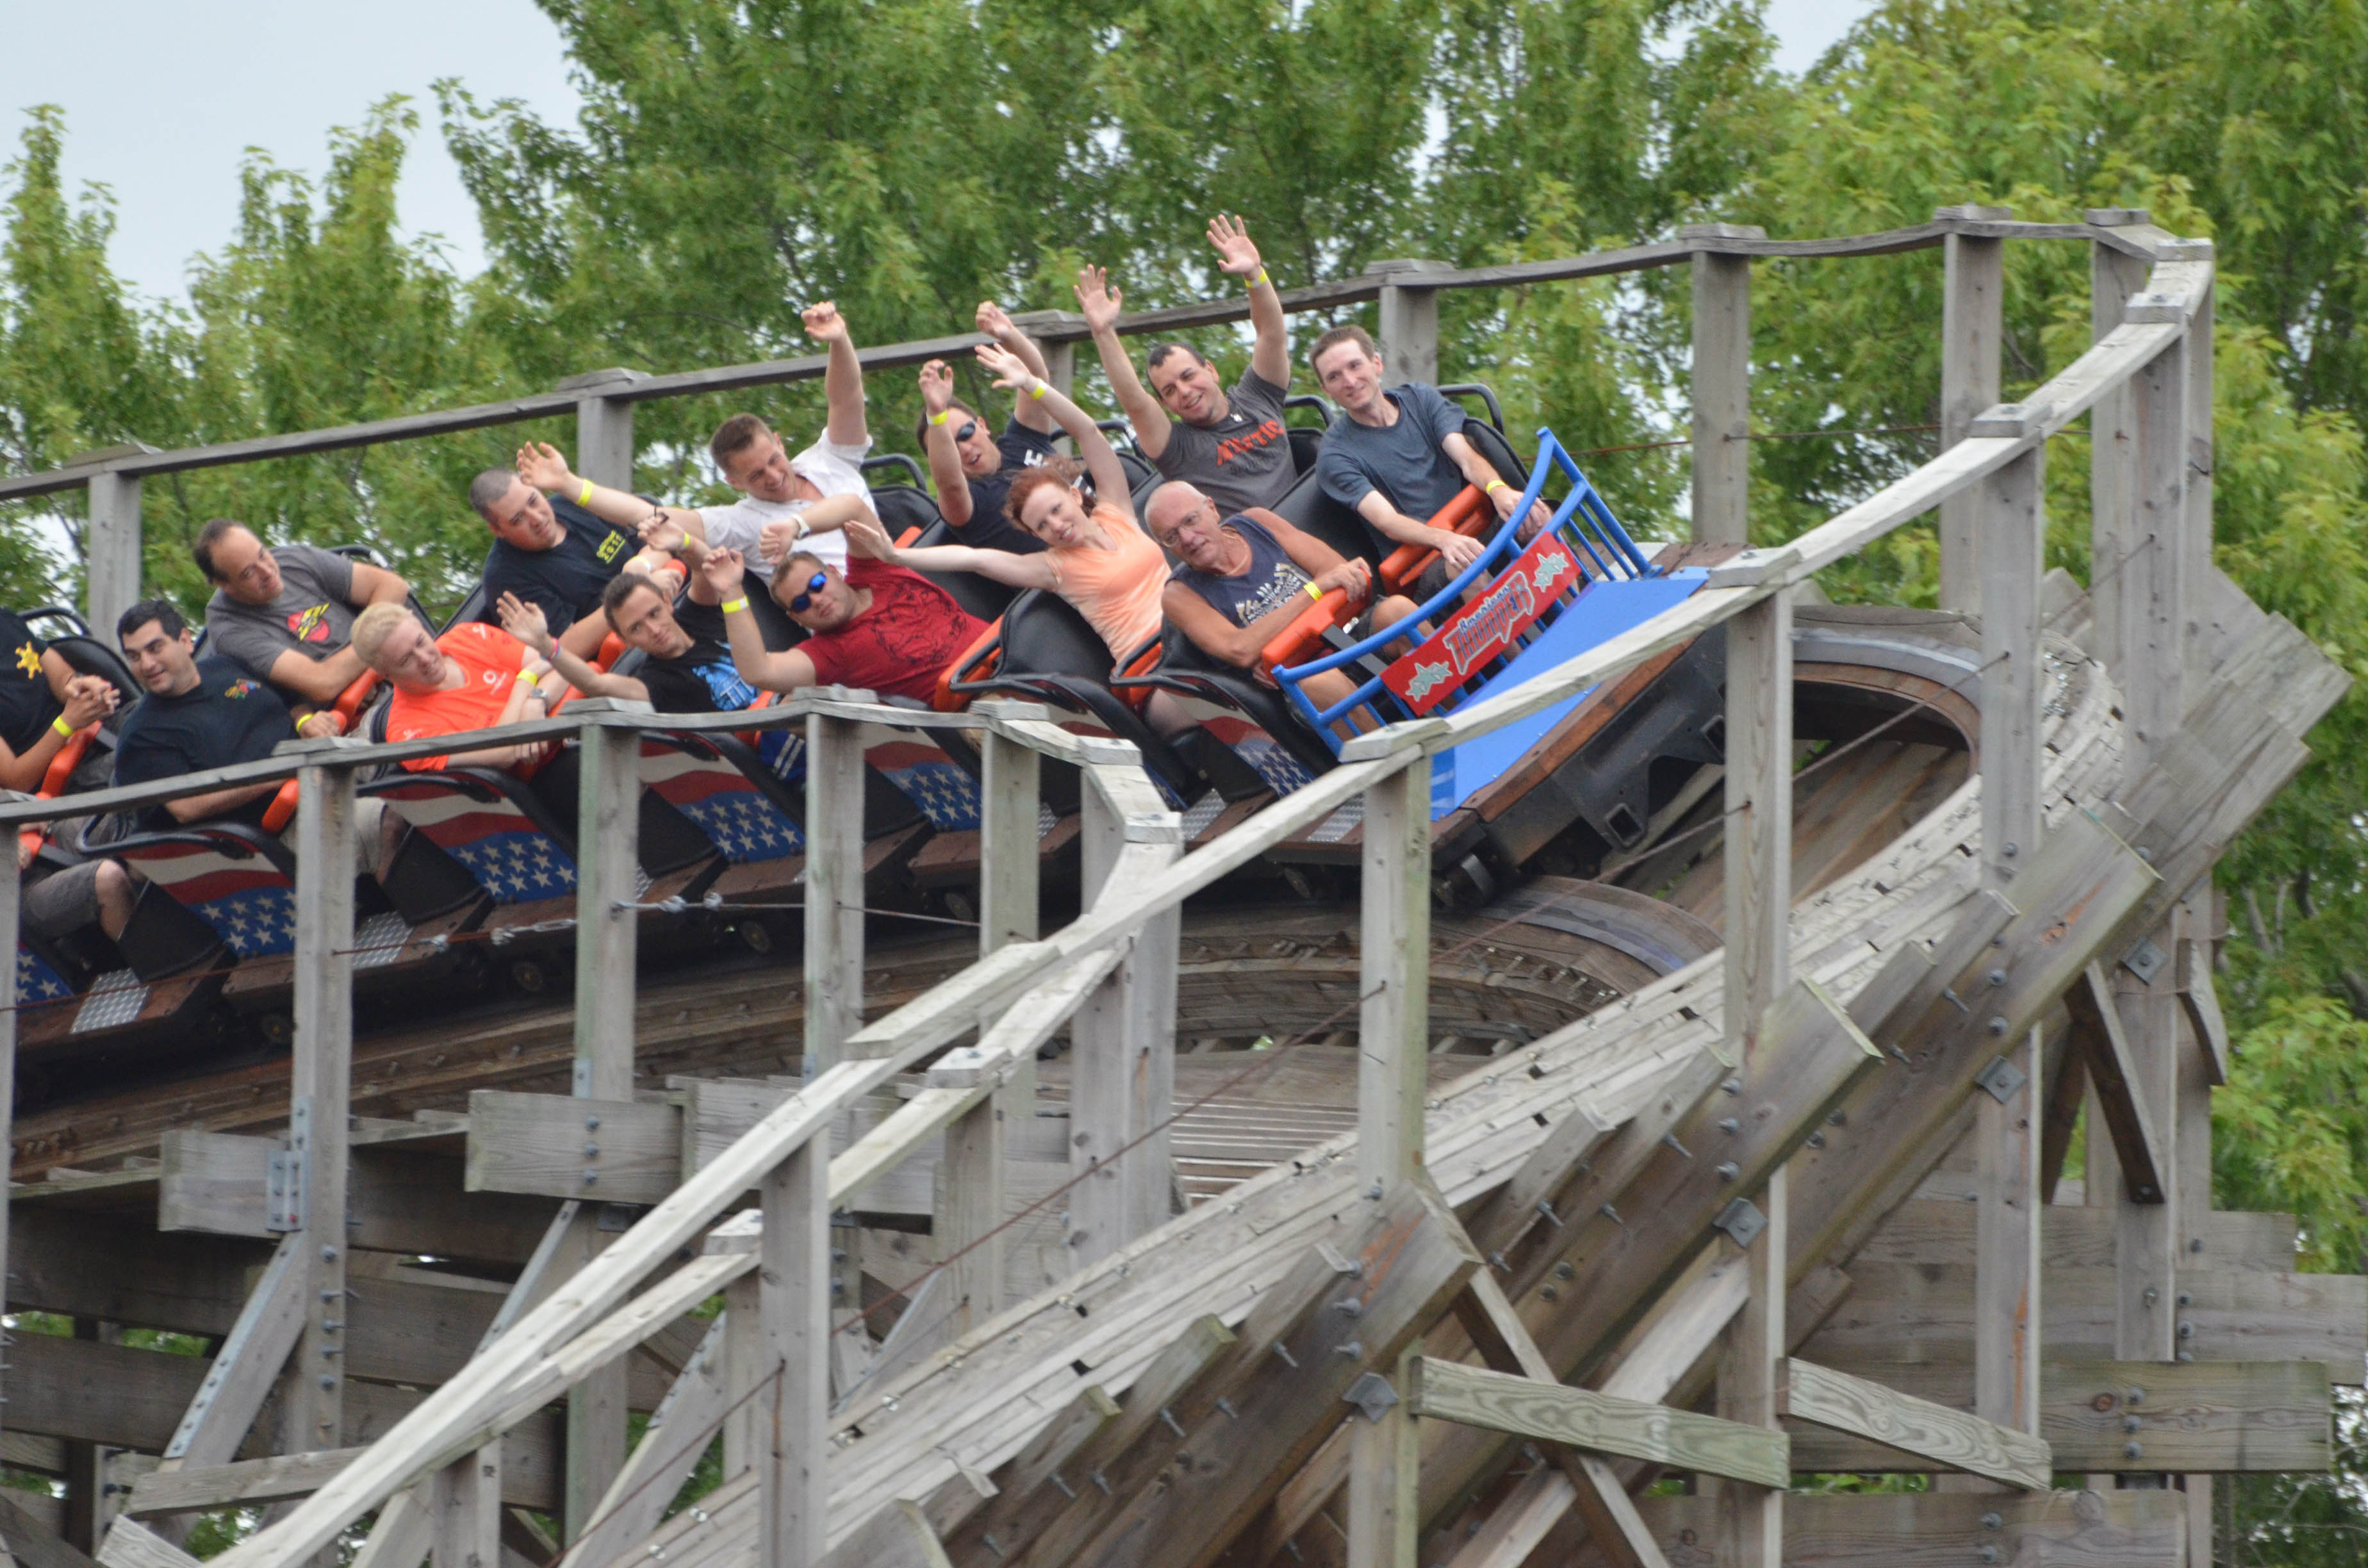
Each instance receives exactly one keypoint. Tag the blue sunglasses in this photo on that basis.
(815, 585)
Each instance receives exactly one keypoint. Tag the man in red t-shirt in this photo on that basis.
(473, 677)
(876, 627)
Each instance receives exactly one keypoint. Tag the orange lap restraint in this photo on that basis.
(1469, 514)
(53, 781)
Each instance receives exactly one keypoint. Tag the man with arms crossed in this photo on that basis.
(286, 612)
(974, 471)
(1231, 444)
(1396, 457)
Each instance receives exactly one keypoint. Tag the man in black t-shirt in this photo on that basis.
(198, 713)
(680, 672)
(551, 553)
(973, 468)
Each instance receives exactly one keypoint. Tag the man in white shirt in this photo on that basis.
(777, 487)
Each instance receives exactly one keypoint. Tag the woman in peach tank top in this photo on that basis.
(1099, 560)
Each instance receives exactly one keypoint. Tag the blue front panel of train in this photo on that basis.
(37, 982)
(1608, 608)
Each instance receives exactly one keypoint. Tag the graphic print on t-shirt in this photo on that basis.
(310, 624)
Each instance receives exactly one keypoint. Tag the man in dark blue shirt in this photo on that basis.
(973, 468)
(197, 714)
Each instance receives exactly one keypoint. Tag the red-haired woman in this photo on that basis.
(1098, 558)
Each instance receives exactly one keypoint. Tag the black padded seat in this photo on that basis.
(1184, 667)
(1051, 654)
(981, 596)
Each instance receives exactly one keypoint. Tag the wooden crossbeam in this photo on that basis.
(32, 1543)
(2096, 1034)
(2188, 1417)
(130, 1544)
(198, 1487)
(2074, 1529)
(1918, 1426)
(1600, 1423)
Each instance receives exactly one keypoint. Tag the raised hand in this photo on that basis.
(824, 323)
(724, 569)
(1097, 300)
(1007, 369)
(866, 538)
(1236, 252)
(938, 384)
(539, 464)
(661, 532)
(525, 622)
(775, 539)
(1534, 524)
(996, 321)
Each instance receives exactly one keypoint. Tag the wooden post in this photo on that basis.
(1409, 319)
(1722, 386)
(606, 857)
(1009, 807)
(604, 426)
(793, 1271)
(320, 1092)
(833, 887)
(1060, 351)
(11, 883)
(1123, 1039)
(465, 1505)
(2009, 527)
(2149, 662)
(110, 547)
(607, 846)
(2197, 564)
(745, 1368)
(2192, 1173)
(1758, 860)
(1394, 978)
(2113, 477)
(1393, 1052)
(1971, 333)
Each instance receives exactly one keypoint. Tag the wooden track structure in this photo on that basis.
(1780, 1208)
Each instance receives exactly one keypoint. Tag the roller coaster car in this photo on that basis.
(1589, 762)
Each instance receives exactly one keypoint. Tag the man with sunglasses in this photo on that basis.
(286, 612)
(874, 626)
(974, 469)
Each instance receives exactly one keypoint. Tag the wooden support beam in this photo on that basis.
(30, 1542)
(1950, 1438)
(197, 1488)
(2197, 994)
(604, 1151)
(603, 429)
(833, 887)
(2115, 1075)
(1582, 1418)
(671, 1447)
(2202, 1417)
(1408, 318)
(465, 1512)
(11, 893)
(247, 1368)
(399, 1199)
(607, 875)
(1972, 314)
(111, 542)
(2117, 1530)
(320, 1090)
(1282, 1386)
(1721, 379)
(130, 1544)
(1010, 798)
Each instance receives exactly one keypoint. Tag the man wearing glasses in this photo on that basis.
(972, 467)
(286, 612)
(874, 626)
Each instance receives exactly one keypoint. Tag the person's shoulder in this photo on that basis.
(1257, 388)
(310, 557)
(223, 606)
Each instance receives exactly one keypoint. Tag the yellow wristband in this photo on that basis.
(941, 418)
(583, 497)
(731, 605)
(1310, 591)
(1041, 388)
(61, 727)
(1260, 278)
(1493, 487)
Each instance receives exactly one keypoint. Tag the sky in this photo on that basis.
(163, 99)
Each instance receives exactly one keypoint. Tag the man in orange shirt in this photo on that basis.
(473, 677)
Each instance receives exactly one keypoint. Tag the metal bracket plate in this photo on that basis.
(1742, 1221)
(2145, 961)
(2002, 1078)
(1372, 1394)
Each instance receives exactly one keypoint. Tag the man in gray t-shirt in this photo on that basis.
(1230, 445)
(286, 612)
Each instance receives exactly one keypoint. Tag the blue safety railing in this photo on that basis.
(1583, 521)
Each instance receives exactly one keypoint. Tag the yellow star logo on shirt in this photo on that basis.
(28, 659)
